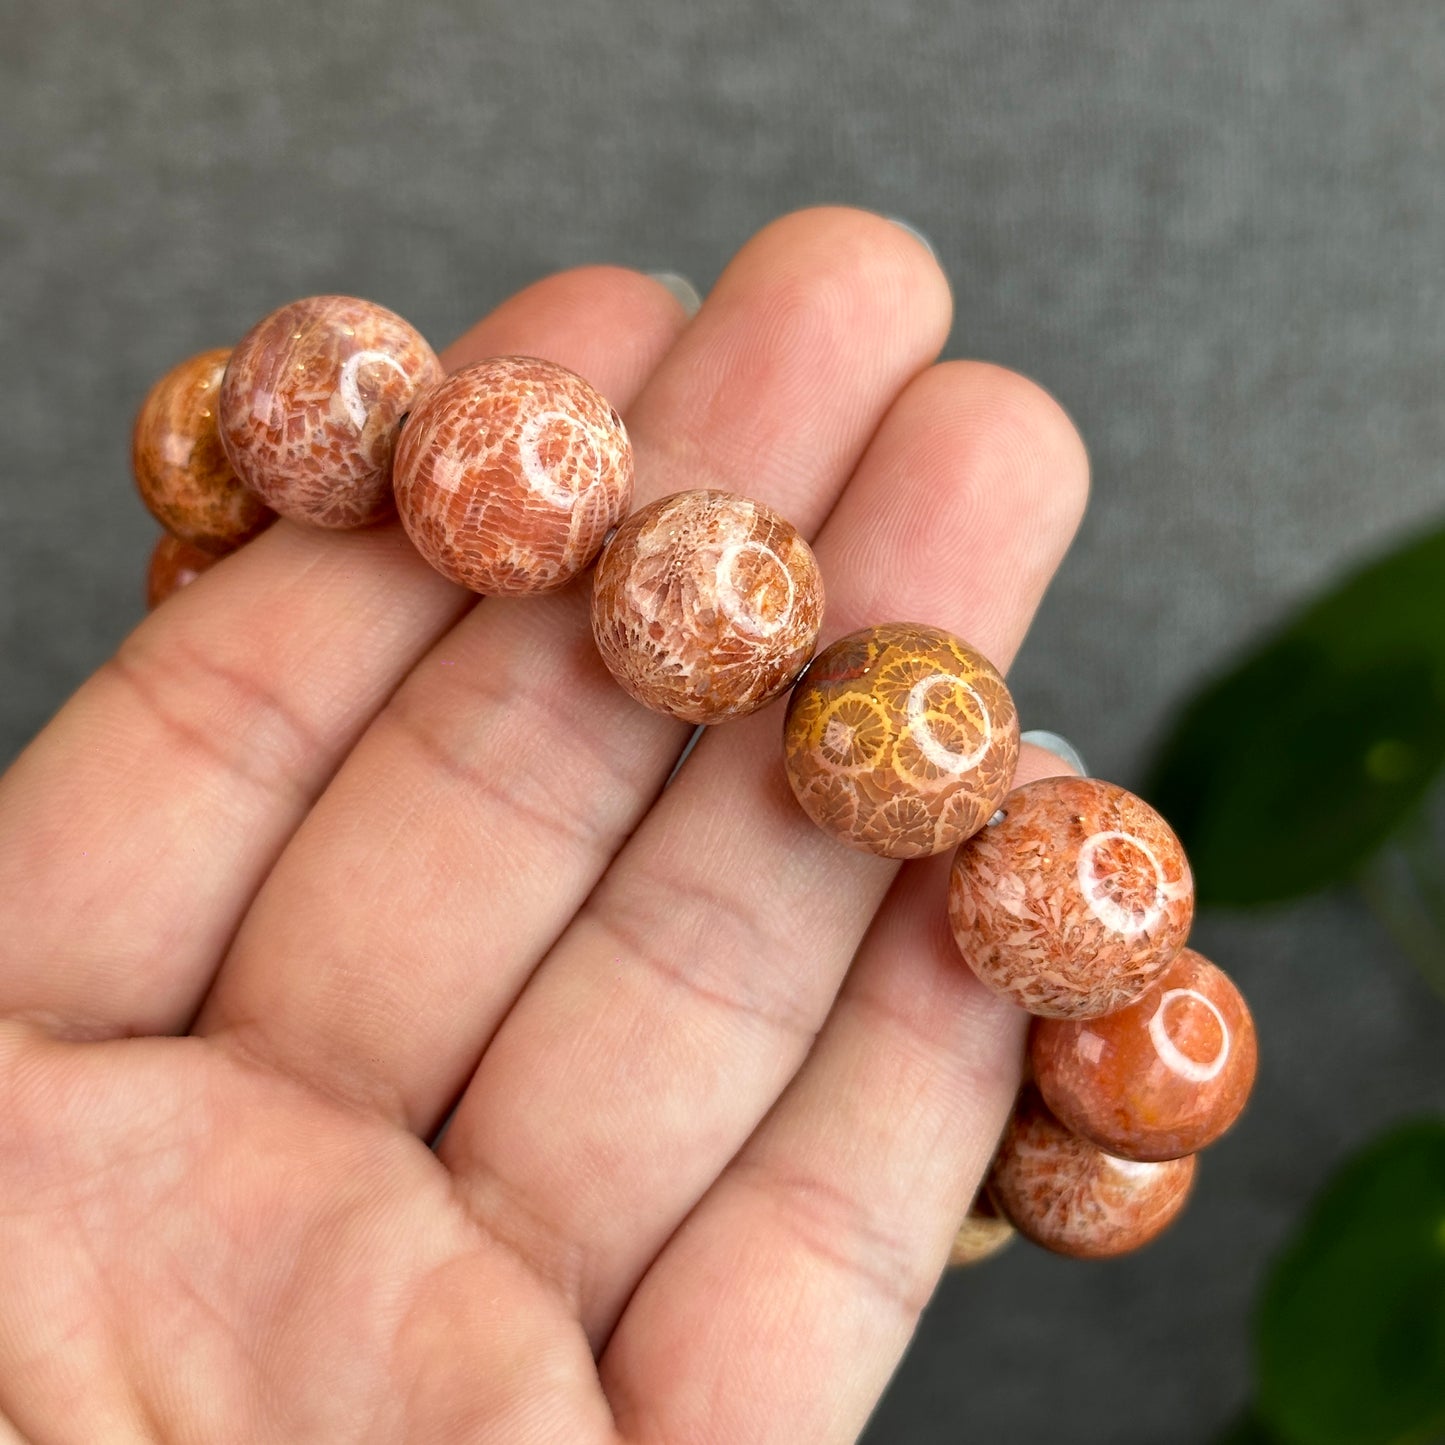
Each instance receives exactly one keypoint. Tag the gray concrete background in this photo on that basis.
(1213, 230)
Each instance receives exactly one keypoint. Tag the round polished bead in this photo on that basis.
(900, 740)
(311, 402)
(1160, 1079)
(706, 605)
(983, 1233)
(1074, 901)
(1068, 1195)
(510, 475)
(174, 562)
(180, 467)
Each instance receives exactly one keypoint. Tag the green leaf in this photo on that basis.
(1248, 1429)
(1288, 772)
(1350, 1348)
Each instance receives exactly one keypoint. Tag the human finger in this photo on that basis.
(474, 818)
(814, 1253)
(137, 827)
(671, 1015)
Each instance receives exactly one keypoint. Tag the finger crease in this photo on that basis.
(502, 1214)
(499, 785)
(264, 745)
(778, 1008)
(967, 1066)
(835, 1229)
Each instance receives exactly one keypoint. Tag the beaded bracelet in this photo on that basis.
(1070, 896)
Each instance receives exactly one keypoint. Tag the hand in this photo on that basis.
(326, 849)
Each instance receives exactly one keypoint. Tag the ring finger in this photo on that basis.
(672, 1014)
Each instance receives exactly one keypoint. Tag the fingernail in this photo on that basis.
(915, 233)
(1060, 747)
(682, 288)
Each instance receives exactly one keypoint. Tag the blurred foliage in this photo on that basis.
(1249, 1429)
(1316, 760)
(1291, 771)
(1350, 1348)
(1404, 882)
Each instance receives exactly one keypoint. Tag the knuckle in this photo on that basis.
(219, 714)
(694, 939)
(842, 1233)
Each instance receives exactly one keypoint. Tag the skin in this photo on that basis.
(283, 882)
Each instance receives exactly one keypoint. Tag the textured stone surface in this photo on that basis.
(510, 475)
(1068, 1195)
(173, 563)
(1162, 1078)
(901, 740)
(310, 405)
(1075, 901)
(706, 605)
(180, 466)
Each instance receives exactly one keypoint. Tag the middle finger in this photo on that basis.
(488, 797)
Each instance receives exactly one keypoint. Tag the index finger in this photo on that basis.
(138, 826)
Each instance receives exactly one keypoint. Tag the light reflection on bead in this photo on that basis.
(1075, 901)
(1162, 1078)
(900, 740)
(311, 403)
(180, 466)
(706, 605)
(511, 473)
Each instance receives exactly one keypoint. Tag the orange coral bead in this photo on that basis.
(1075, 901)
(706, 605)
(900, 740)
(311, 402)
(1160, 1079)
(510, 475)
(173, 564)
(1068, 1195)
(180, 466)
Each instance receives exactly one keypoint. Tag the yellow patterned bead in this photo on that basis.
(901, 740)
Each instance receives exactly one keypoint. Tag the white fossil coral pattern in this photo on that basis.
(1071, 1197)
(1075, 901)
(511, 473)
(311, 402)
(901, 739)
(706, 605)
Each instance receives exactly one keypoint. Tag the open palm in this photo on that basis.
(327, 850)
